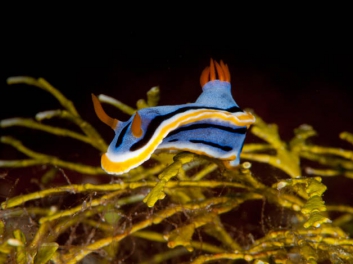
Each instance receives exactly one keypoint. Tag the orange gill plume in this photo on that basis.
(136, 126)
(209, 73)
(102, 115)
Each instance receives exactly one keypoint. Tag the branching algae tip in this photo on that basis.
(214, 126)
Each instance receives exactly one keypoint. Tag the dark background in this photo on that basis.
(288, 70)
(288, 88)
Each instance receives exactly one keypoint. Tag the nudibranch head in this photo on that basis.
(214, 126)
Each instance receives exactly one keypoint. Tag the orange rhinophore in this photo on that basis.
(102, 115)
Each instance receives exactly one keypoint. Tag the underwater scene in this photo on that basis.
(215, 157)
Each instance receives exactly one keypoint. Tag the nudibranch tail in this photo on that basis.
(226, 71)
(102, 115)
(219, 71)
(209, 73)
(212, 71)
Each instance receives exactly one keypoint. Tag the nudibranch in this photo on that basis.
(214, 126)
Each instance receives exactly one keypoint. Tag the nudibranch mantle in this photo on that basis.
(213, 126)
